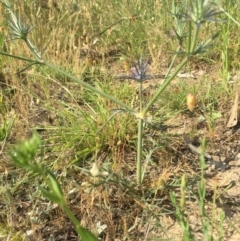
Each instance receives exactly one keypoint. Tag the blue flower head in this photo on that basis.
(139, 71)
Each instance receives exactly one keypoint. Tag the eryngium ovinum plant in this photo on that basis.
(188, 21)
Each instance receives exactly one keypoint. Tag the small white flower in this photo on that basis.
(95, 171)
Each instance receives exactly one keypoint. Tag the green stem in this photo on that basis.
(191, 46)
(164, 85)
(234, 20)
(88, 86)
(194, 39)
(140, 97)
(84, 84)
(140, 138)
(173, 60)
(21, 58)
(189, 36)
(139, 151)
(82, 232)
(33, 50)
(72, 217)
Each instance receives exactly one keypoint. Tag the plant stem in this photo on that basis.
(71, 217)
(33, 50)
(140, 97)
(194, 39)
(140, 138)
(233, 19)
(82, 232)
(191, 46)
(21, 58)
(164, 85)
(139, 151)
(171, 65)
(88, 86)
(189, 36)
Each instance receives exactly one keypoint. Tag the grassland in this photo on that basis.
(179, 198)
